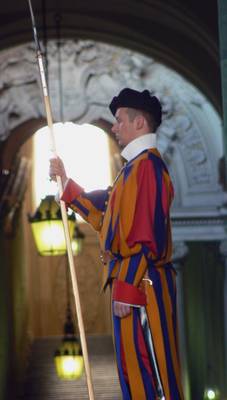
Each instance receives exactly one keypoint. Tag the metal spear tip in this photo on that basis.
(34, 27)
(31, 12)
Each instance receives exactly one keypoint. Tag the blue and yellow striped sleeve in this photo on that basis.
(89, 205)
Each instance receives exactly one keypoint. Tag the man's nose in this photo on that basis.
(113, 129)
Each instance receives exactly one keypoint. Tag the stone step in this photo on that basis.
(42, 382)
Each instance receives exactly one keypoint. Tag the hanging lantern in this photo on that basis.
(68, 357)
(77, 241)
(211, 394)
(69, 361)
(47, 228)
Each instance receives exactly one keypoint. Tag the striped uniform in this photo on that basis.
(132, 219)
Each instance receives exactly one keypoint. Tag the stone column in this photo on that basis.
(222, 22)
(180, 251)
(223, 251)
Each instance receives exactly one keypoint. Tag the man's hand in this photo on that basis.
(106, 257)
(57, 169)
(120, 309)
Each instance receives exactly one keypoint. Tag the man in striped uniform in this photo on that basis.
(133, 222)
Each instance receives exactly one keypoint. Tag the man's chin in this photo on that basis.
(120, 144)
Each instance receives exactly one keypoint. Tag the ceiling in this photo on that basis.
(181, 34)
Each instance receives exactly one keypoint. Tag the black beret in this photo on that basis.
(140, 100)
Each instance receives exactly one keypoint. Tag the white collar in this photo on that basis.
(138, 145)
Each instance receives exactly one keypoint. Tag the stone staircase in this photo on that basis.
(43, 384)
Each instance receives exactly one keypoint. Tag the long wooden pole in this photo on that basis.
(63, 212)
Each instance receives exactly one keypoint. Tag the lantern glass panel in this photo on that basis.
(77, 246)
(49, 236)
(69, 367)
(69, 361)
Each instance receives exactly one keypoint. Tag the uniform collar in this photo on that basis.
(138, 145)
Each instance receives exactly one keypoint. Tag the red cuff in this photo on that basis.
(127, 293)
(72, 191)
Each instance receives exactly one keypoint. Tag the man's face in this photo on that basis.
(123, 128)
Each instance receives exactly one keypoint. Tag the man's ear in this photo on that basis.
(139, 119)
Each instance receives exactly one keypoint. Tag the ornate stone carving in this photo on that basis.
(19, 87)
